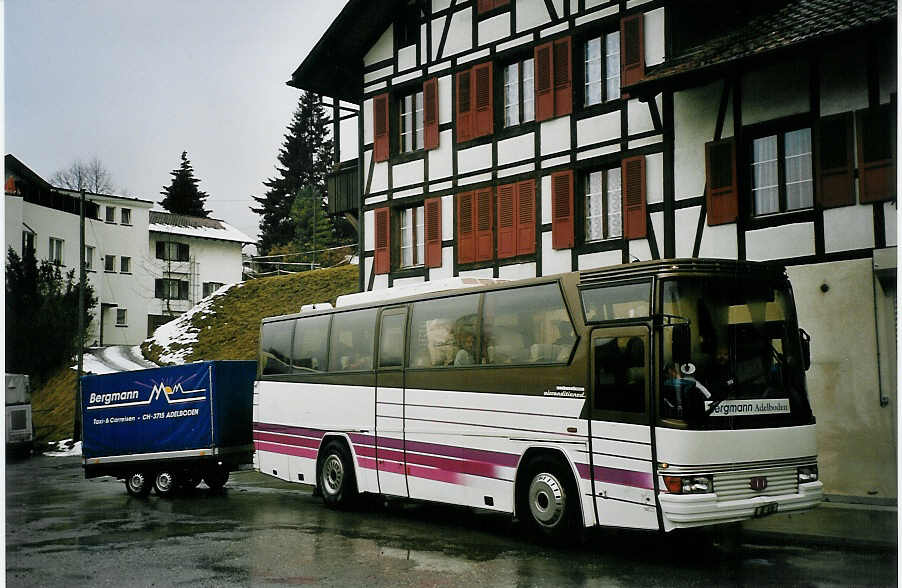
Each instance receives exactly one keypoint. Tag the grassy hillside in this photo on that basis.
(227, 328)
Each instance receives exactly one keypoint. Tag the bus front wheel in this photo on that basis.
(547, 499)
(335, 477)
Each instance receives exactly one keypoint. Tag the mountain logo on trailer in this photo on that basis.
(173, 394)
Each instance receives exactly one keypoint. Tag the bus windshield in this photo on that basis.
(745, 368)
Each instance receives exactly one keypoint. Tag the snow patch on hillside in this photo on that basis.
(176, 337)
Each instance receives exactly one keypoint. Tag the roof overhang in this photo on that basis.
(334, 67)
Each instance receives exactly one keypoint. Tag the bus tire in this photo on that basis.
(547, 499)
(165, 482)
(335, 476)
(216, 478)
(138, 484)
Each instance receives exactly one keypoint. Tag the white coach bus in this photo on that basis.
(655, 395)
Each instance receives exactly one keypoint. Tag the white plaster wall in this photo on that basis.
(695, 116)
(380, 282)
(593, 3)
(369, 229)
(654, 178)
(494, 29)
(485, 272)
(401, 282)
(776, 91)
(654, 37)
(378, 74)
(517, 271)
(405, 174)
(349, 140)
(516, 149)
(639, 250)
(604, 127)
(685, 222)
(407, 58)
(383, 49)
(599, 259)
(460, 36)
(719, 242)
(440, 5)
(447, 217)
(545, 195)
(474, 159)
(554, 261)
(367, 270)
(555, 135)
(844, 83)
(380, 177)
(447, 268)
(425, 56)
(855, 435)
(530, 14)
(445, 105)
(440, 163)
(368, 121)
(657, 222)
(793, 240)
(849, 227)
(891, 216)
(12, 215)
(639, 117)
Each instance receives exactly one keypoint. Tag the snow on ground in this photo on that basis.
(94, 365)
(65, 448)
(181, 332)
(118, 355)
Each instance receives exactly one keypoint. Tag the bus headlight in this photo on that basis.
(689, 484)
(807, 474)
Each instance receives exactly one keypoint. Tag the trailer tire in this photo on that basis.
(335, 476)
(188, 480)
(216, 478)
(547, 500)
(138, 484)
(165, 482)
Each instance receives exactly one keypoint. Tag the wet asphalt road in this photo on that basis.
(63, 530)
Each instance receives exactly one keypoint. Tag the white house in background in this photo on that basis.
(523, 138)
(129, 277)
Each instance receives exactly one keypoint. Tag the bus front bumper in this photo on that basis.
(693, 510)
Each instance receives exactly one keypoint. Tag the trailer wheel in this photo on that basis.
(335, 476)
(137, 484)
(216, 478)
(188, 480)
(547, 500)
(164, 482)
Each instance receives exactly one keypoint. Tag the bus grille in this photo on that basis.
(736, 485)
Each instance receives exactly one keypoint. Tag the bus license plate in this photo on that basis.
(765, 509)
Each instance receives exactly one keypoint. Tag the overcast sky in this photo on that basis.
(135, 83)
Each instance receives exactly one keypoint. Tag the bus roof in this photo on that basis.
(414, 290)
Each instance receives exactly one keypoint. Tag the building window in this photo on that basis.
(125, 264)
(171, 289)
(56, 251)
(602, 69)
(126, 216)
(782, 178)
(412, 238)
(121, 317)
(411, 127)
(110, 214)
(210, 287)
(89, 258)
(171, 251)
(109, 263)
(519, 93)
(27, 242)
(603, 210)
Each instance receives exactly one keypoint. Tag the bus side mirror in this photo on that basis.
(805, 338)
(681, 344)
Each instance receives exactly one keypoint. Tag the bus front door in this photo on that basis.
(390, 460)
(622, 467)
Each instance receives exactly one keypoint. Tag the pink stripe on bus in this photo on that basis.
(617, 476)
(286, 439)
(289, 430)
(285, 449)
(434, 474)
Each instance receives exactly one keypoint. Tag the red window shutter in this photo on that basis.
(563, 92)
(876, 149)
(380, 127)
(562, 209)
(632, 49)
(430, 114)
(633, 182)
(482, 100)
(464, 107)
(544, 81)
(433, 230)
(484, 6)
(507, 230)
(835, 161)
(499, 3)
(485, 238)
(526, 217)
(466, 235)
(721, 195)
(382, 258)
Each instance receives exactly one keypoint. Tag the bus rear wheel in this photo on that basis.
(335, 476)
(547, 500)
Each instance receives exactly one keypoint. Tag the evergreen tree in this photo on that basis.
(182, 195)
(41, 315)
(304, 161)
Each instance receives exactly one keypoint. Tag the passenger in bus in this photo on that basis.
(467, 346)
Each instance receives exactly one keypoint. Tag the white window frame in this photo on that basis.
(607, 194)
(125, 215)
(89, 258)
(121, 317)
(410, 122)
(125, 264)
(56, 250)
(771, 195)
(413, 247)
(109, 263)
(607, 65)
(519, 92)
(110, 214)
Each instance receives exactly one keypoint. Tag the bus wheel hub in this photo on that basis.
(546, 499)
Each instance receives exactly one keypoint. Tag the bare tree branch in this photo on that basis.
(92, 176)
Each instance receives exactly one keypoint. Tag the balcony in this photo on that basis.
(343, 189)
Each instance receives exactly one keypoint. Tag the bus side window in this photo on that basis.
(391, 344)
(311, 337)
(620, 373)
(275, 348)
(352, 336)
(445, 332)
